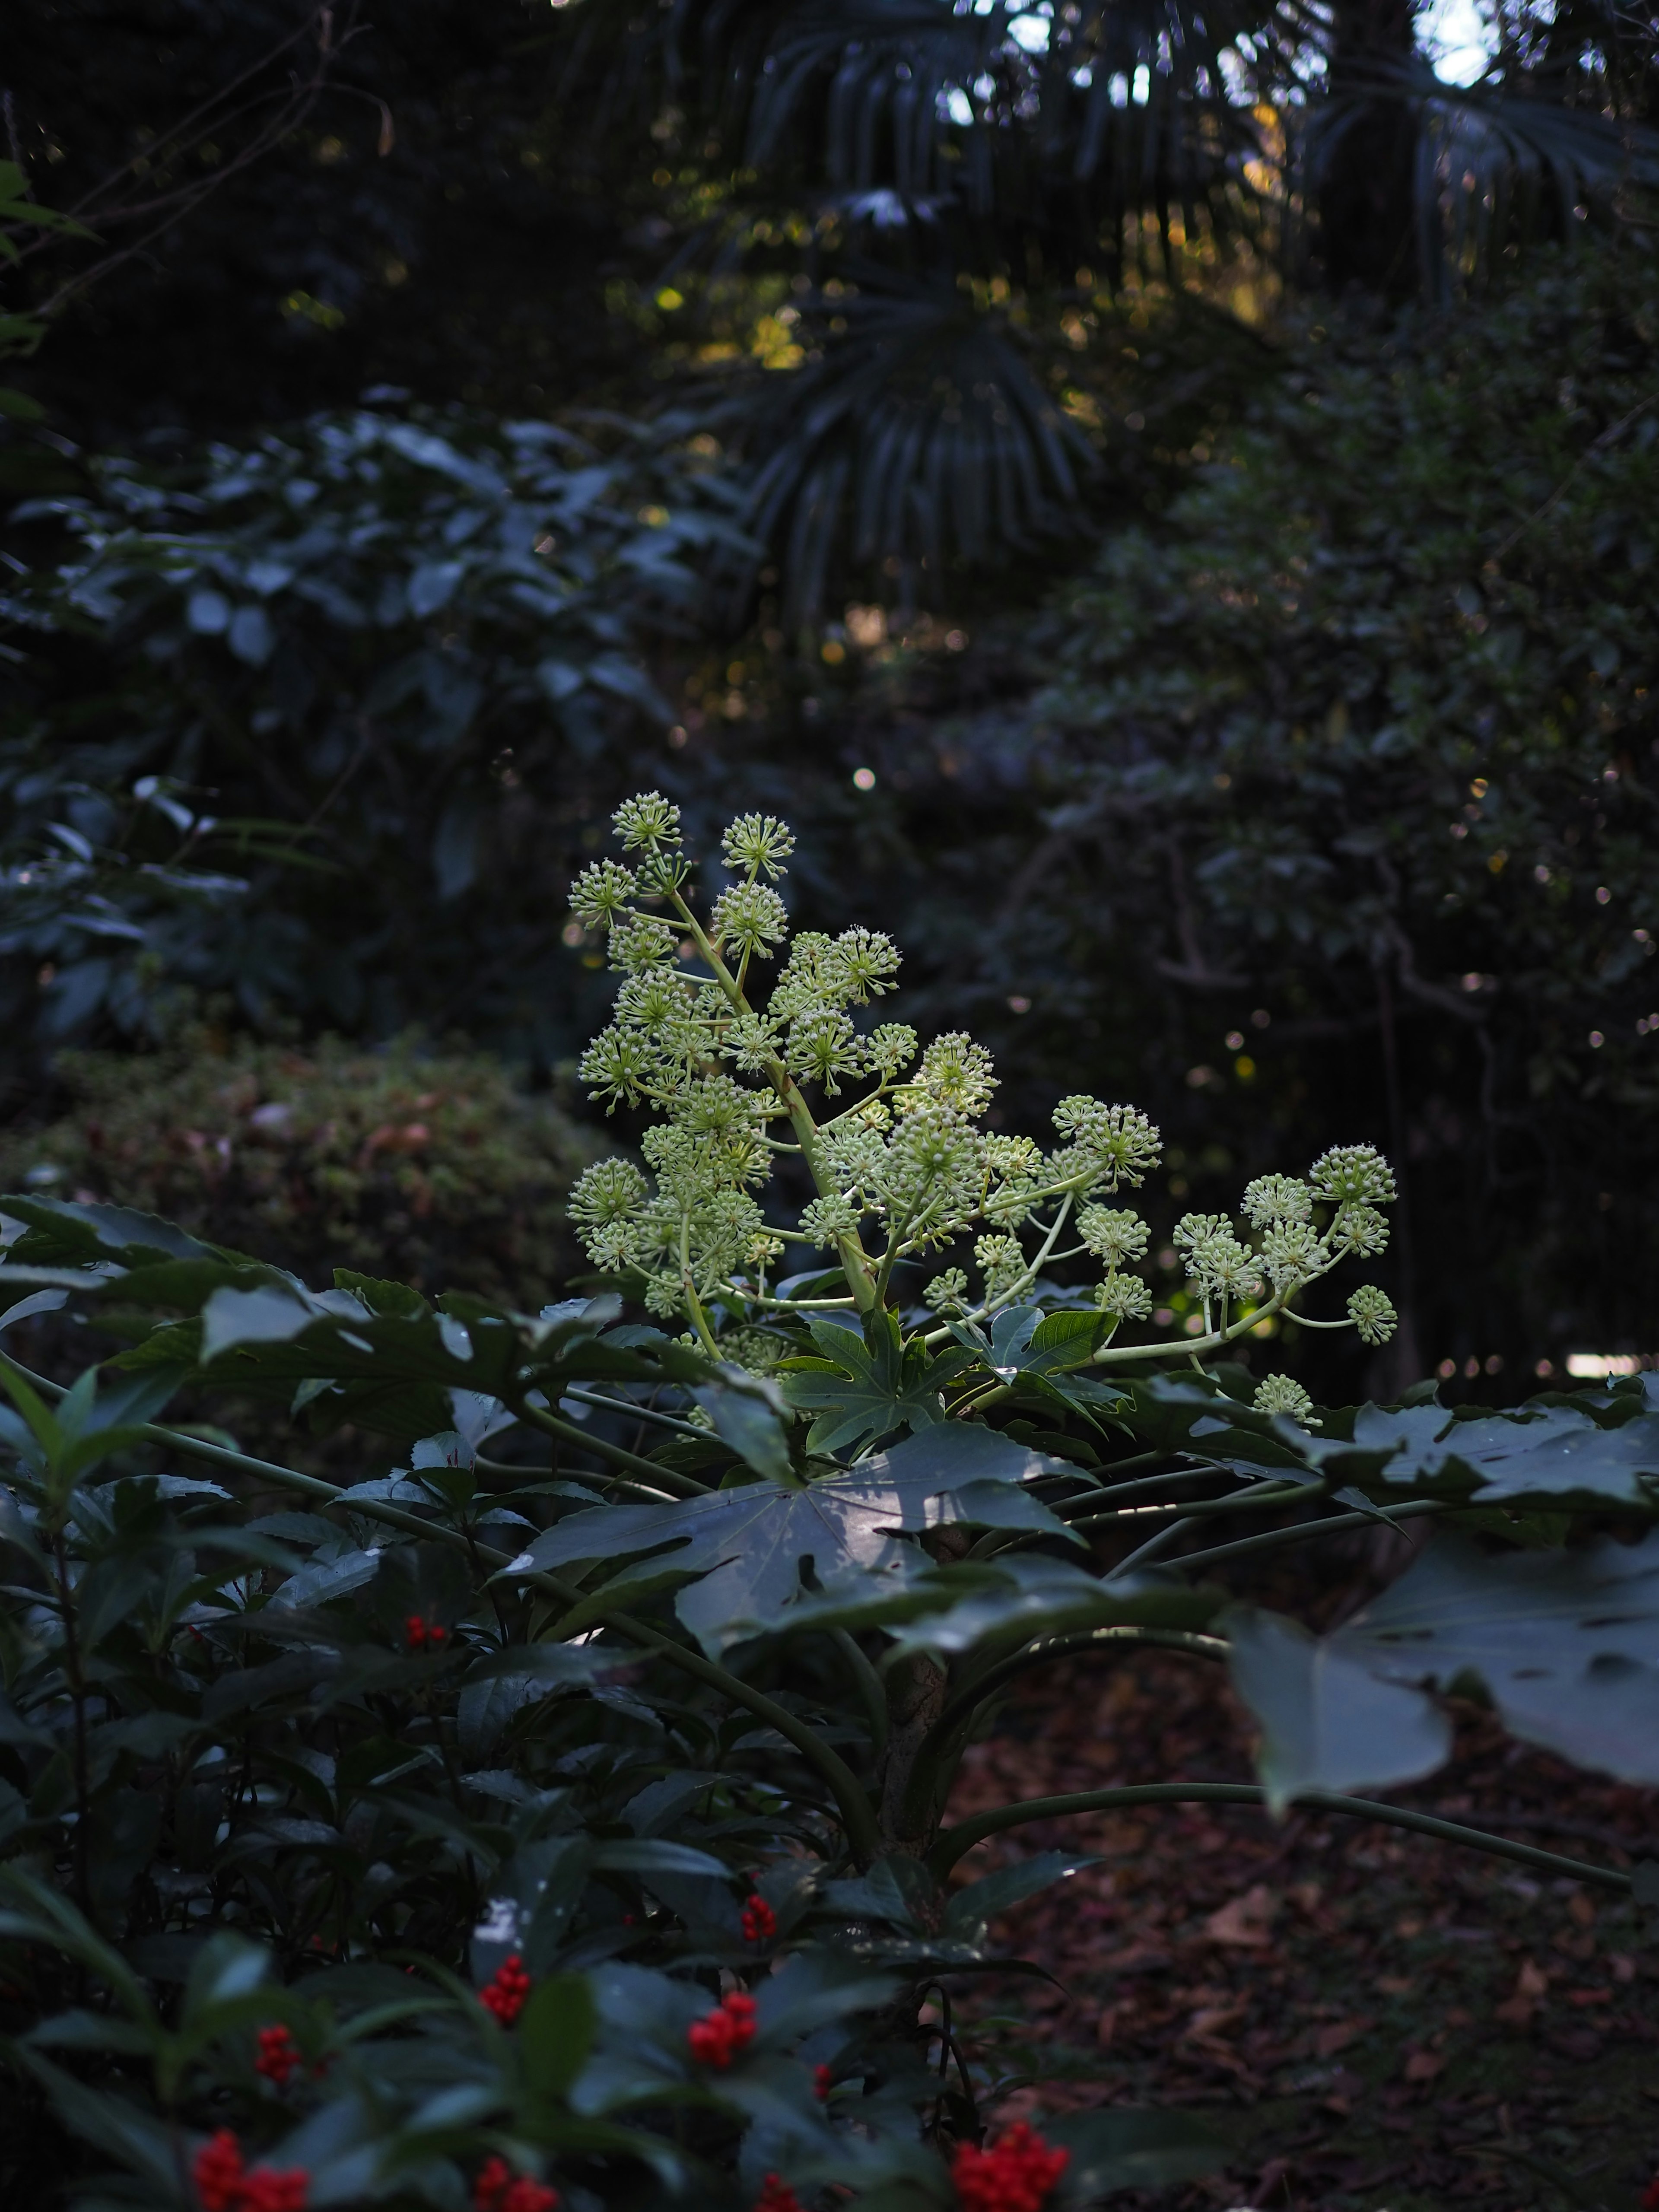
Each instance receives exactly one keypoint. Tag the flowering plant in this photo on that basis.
(552, 1800)
(902, 1169)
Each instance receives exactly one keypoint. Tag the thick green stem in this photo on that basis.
(958, 1841)
(1305, 1531)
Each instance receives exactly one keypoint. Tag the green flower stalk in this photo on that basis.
(889, 1133)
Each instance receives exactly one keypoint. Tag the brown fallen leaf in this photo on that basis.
(1244, 1922)
(1423, 2065)
(1328, 2041)
(1531, 1985)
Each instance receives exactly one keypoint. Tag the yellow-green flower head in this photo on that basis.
(1113, 1236)
(756, 844)
(647, 823)
(955, 1073)
(1277, 1394)
(1111, 1146)
(1354, 1173)
(1271, 1199)
(599, 894)
(1125, 1296)
(869, 960)
(1001, 1262)
(1371, 1311)
(749, 918)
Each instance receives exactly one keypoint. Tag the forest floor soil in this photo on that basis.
(1372, 2018)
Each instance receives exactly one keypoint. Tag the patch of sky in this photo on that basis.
(1460, 38)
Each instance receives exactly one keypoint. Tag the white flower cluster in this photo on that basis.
(902, 1169)
(902, 1166)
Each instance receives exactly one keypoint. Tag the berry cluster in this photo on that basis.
(1014, 2175)
(824, 2080)
(716, 2039)
(760, 1922)
(498, 2189)
(421, 1635)
(1651, 2195)
(504, 1994)
(279, 2056)
(224, 2185)
(776, 2196)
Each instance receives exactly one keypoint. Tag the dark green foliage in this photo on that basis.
(364, 672)
(1351, 759)
(341, 1758)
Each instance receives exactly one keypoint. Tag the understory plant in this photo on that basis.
(559, 1809)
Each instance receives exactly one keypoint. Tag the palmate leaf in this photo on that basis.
(1544, 1453)
(868, 1384)
(1566, 1644)
(749, 1544)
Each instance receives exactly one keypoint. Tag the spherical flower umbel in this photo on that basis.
(602, 893)
(1126, 1296)
(1113, 1235)
(1016, 2174)
(756, 844)
(750, 918)
(1000, 1260)
(1120, 1145)
(1277, 1394)
(646, 821)
(1271, 1199)
(1353, 1172)
(1371, 1311)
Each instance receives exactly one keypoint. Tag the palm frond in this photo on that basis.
(1494, 164)
(922, 435)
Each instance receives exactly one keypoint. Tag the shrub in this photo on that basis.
(313, 717)
(574, 1798)
(426, 1166)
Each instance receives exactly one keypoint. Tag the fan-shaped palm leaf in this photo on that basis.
(922, 433)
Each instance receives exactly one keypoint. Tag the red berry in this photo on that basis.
(1015, 2175)
(223, 2186)
(1651, 2195)
(760, 1922)
(776, 2196)
(823, 2079)
(279, 2056)
(266, 2190)
(505, 1993)
(415, 1632)
(716, 2039)
(497, 2189)
(218, 2173)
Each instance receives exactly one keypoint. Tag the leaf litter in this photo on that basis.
(1380, 2022)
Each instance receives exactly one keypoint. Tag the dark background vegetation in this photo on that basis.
(1213, 502)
